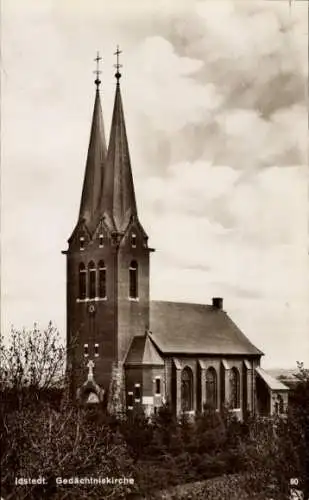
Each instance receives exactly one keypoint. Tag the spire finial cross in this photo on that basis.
(118, 65)
(97, 71)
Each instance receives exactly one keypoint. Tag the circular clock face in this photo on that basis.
(91, 308)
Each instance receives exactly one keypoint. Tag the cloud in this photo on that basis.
(255, 219)
(242, 237)
(214, 98)
(162, 84)
(254, 69)
(253, 206)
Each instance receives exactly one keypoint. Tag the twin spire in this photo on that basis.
(108, 189)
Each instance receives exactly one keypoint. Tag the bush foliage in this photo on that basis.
(216, 457)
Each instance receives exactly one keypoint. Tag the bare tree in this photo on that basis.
(32, 359)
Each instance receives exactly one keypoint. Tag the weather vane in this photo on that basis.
(97, 71)
(118, 65)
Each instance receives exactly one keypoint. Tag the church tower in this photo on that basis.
(107, 259)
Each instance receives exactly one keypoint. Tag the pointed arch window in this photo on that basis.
(186, 389)
(211, 387)
(92, 280)
(235, 388)
(102, 279)
(133, 276)
(82, 281)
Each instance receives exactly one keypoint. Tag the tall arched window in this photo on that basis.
(211, 387)
(82, 281)
(102, 279)
(235, 388)
(186, 389)
(133, 276)
(92, 280)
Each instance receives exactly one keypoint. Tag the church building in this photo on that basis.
(122, 345)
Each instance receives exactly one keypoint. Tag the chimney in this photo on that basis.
(217, 302)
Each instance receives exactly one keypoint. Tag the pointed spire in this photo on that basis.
(118, 201)
(93, 179)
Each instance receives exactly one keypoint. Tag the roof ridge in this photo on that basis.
(185, 303)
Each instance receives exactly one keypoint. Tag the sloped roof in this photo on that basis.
(186, 328)
(273, 383)
(143, 352)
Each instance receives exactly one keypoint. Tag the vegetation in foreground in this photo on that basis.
(216, 457)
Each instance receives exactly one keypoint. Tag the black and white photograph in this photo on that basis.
(154, 250)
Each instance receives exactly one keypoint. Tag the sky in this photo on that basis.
(215, 102)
